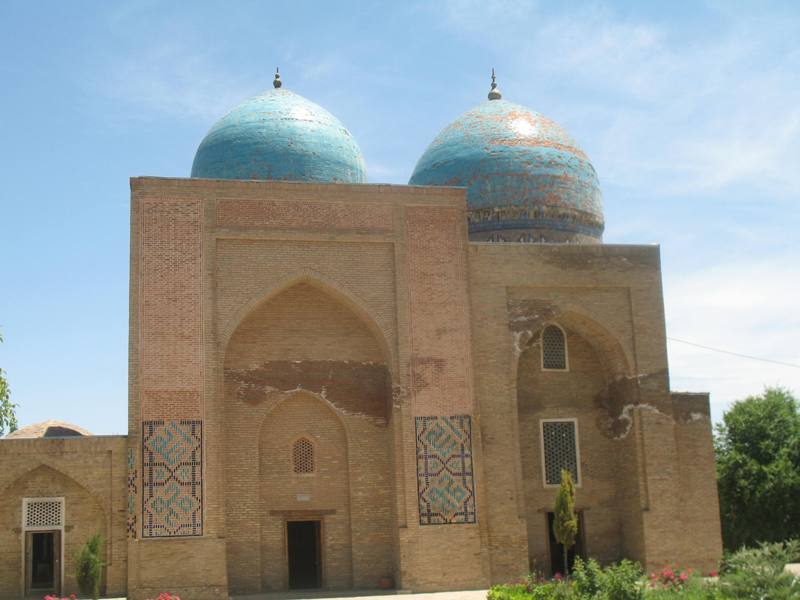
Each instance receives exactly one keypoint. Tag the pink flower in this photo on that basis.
(557, 577)
(713, 574)
(684, 577)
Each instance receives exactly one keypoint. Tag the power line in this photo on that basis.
(769, 360)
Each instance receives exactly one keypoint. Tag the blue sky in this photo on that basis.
(690, 112)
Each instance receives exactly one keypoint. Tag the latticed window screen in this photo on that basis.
(303, 456)
(560, 450)
(554, 348)
(43, 513)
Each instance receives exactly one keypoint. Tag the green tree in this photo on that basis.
(8, 417)
(89, 567)
(565, 519)
(758, 469)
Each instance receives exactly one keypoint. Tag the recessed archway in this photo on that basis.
(304, 358)
(579, 403)
(83, 517)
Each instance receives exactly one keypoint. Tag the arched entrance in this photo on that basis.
(46, 518)
(565, 405)
(308, 481)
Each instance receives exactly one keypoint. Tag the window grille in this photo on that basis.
(560, 442)
(43, 513)
(554, 348)
(303, 456)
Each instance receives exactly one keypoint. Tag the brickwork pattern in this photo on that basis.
(170, 300)
(307, 215)
(445, 479)
(172, 486)
(440, 354)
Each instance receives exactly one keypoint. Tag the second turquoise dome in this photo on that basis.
(280, 135)
(526, 178)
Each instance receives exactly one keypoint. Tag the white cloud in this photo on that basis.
(700, 115)
(173, 80)
(747, 308)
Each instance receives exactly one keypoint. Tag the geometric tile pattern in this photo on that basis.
(132, 493)
(445, 483)
(172, 478)
(43, 513)
(560, 450)
(303, 456)
(554, 349)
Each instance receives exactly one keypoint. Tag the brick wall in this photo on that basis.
(89, 473)
(608, 298)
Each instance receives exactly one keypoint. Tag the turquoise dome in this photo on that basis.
(526, 178)
(280, 135)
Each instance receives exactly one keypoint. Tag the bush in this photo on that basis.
(508, 592)
(89, 567)
(587, 578)
(622, 581)
(589, 581)
(696, 588)
(758, 572)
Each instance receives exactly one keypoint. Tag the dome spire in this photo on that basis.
(276, 83)
(494, 93)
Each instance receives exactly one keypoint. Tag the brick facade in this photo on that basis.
(362, 319)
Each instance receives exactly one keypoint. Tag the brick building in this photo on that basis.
(343, 385)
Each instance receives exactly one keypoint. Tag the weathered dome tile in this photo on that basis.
(523, 174)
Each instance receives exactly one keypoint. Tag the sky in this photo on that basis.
(689, 111)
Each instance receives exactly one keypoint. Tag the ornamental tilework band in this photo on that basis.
(172, 478)
(444, 470)
(132, 493)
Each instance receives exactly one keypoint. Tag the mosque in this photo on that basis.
(343, 385)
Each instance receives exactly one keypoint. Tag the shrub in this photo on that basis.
(668, 578)
(587, 578)
(508, 592)
(622, 581)
(758, 572)
(696, 588)
(89, 567)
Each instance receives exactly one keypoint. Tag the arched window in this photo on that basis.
(554, 349)
(303, 456)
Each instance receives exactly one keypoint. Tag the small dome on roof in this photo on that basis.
(526, 178)
(48, 429)
(280, 135)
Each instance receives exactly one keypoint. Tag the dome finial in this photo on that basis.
(494, 93)
(276, 83)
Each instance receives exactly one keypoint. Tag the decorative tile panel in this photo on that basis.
(172, 478)
(444, 470)
(132, 475)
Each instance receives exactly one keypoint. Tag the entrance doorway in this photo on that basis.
(42, 562)
(557, 550)
(303, 542)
